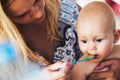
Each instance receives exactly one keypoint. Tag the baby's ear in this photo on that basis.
(116, 35)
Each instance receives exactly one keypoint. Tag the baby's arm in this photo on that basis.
(78, 72)
(82, 69)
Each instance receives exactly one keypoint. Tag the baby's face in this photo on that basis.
(95, 38)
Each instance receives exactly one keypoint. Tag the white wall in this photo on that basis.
(82, 3)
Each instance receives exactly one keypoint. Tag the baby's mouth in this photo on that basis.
(96, 56)
(89, 58)
(92, 56)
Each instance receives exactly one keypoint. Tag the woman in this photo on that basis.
(47, 29)
(14, 57)
(36, 20)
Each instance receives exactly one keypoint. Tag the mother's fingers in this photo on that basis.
(101, 75)
(113, 63)
(110, 74)
(58, 70)
(104, 64)
(96, 79)
(67, 77)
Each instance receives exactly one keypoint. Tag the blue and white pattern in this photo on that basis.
(67, 48)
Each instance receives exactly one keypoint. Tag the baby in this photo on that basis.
(97, 36)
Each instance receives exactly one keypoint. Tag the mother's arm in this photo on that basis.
(111, 74)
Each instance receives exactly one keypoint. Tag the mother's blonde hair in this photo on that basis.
(9, 32)
(52, 15)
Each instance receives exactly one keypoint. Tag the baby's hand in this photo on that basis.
(89, 65)
(58, 71)
(84, 67)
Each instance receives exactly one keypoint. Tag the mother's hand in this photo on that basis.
(58, 71)
(111, 74)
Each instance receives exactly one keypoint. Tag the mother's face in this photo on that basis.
(27, 11)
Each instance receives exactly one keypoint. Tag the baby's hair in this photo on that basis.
(99, 10)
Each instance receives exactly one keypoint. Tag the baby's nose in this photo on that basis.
(92, 48)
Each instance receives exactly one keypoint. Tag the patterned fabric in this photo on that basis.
(67, 48)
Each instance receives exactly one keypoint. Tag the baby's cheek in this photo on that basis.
(83, 48)
(107, 49)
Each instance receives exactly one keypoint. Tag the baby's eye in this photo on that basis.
(84, 41)
(99, 40)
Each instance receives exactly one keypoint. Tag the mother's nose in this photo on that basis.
(35, 13)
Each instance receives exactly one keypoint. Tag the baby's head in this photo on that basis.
(96, 29)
